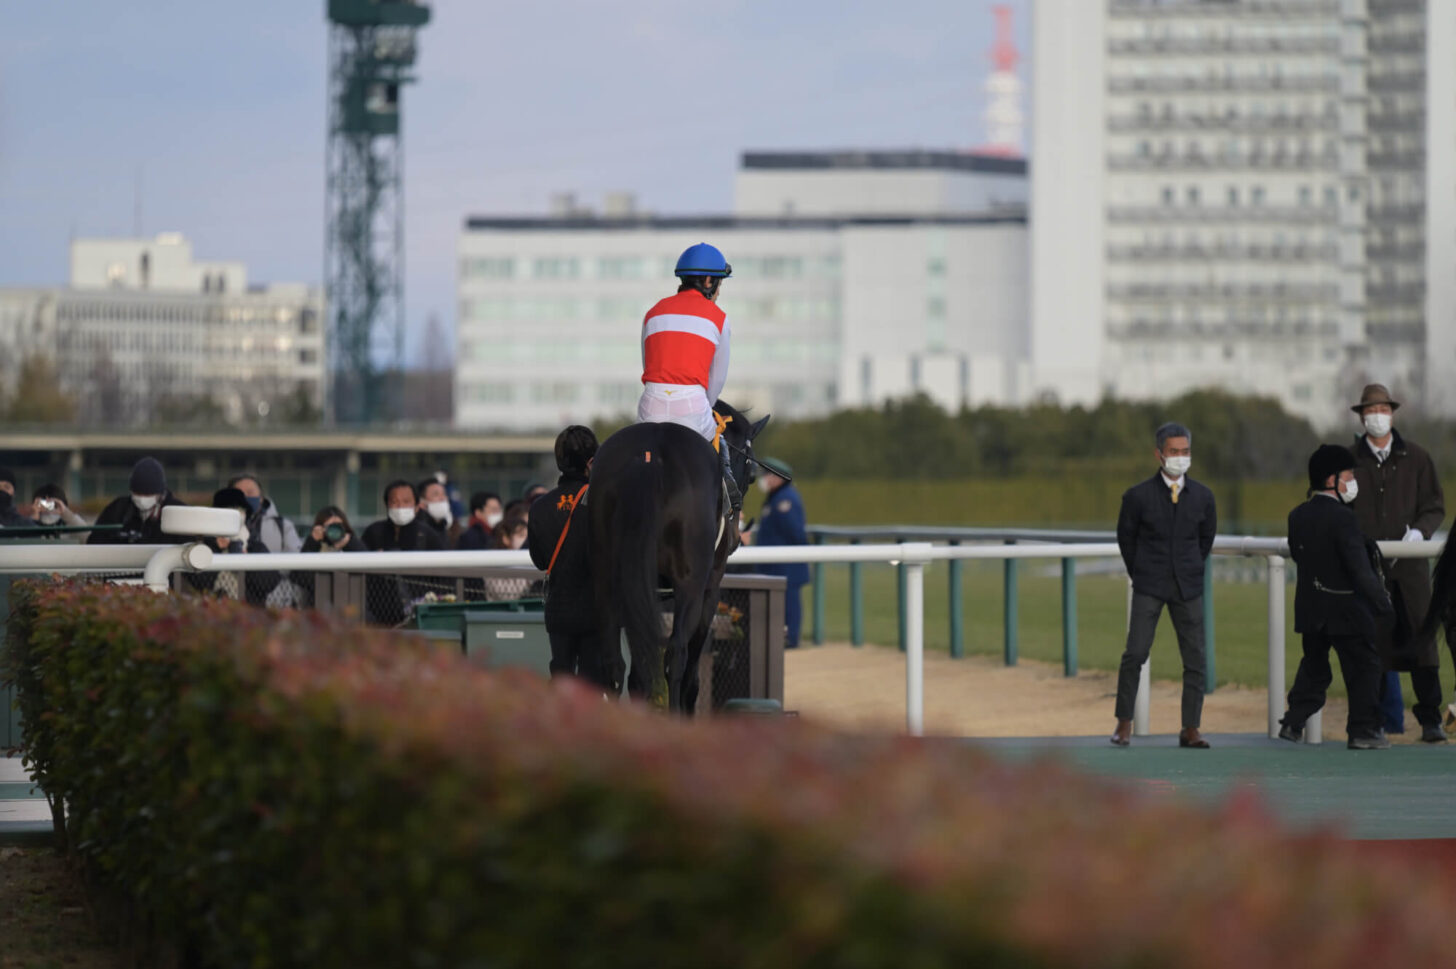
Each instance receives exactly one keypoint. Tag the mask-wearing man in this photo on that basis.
(1165, 531)
(485, 514)
(139, 513)
(1336, 601)
(387, 598)
(1400, 499)
(434, 511)
(277, 533)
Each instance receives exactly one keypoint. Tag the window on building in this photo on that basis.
(1233, 196)
(935, 266)
(935, 307)
(622, 267)
(1192, 195)
(1306, 195)
(1167, 195)
(557, 267)
(490, 267)
(1256, 195)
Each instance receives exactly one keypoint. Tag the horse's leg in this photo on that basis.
(691, 685)
(681, 654)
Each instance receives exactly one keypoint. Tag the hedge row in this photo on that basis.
(276, 790)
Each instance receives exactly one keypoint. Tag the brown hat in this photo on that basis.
(1375, 394)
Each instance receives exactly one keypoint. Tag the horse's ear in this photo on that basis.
(758, 426)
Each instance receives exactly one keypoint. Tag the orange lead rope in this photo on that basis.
(574, 502)
(718, 434)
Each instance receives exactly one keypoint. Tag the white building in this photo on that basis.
(143, 331)
(857, 277)
(1258, 195)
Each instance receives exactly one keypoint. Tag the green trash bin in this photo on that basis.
(451, 615)
(496, 639)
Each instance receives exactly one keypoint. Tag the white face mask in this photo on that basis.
(144, 503)
(401, 516)
(1177, 466)
(1377, 425)
(762, 484)
(49, 517)
(1351, 489)
(493, 519)
(439, 510)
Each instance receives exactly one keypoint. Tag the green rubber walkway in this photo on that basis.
(1406, 792)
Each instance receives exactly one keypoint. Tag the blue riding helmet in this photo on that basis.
(702, 260)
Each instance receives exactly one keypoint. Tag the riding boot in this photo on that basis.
(735, 497)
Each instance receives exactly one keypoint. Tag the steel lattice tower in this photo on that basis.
(371, 48)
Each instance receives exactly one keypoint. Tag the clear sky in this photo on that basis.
(220, 107)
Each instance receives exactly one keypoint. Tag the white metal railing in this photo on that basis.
(158, 562)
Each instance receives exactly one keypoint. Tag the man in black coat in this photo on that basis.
(1336, 600)
(388, 597)
(139, 513)
(558, 537)
(1165, 531)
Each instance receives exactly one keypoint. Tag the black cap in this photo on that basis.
(148, 478)
(1326, 460)
(7, 476)
(229, 498)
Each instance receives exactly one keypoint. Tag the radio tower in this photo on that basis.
(1003, 92)
(371, 46)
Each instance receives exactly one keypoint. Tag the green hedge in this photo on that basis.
(277, 790)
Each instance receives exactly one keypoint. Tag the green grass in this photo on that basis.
(1240, 620)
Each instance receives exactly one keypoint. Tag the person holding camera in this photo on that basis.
(51, 510)
(332, 533)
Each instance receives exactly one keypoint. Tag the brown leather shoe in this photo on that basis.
(1190, 737)
(1122, 736)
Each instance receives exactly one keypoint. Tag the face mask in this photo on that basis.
(334, 534)
(144, 503)
(762, 484)
(439, 510)
(1377, 425)
(493, 519)
(1352, 488)
(253, 505)
(50, 517)
(401, 516)
(1177, 466)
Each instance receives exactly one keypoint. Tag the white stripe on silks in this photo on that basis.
(681, 323)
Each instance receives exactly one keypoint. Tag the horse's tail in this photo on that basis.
(636, 525)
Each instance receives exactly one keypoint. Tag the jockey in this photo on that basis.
(685, 352)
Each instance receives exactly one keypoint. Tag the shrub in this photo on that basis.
(279, 790)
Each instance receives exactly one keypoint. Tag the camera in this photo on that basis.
(46, 504)
(334, 534)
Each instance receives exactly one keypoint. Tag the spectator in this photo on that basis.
(781, 522)
(534, 490)
(278, 533)
(389, 598)
(515, 508)
(452, 491)
(435, 513)
(559, 537)
(52, 509)
(254, 587)
(509, 534)
(1336, 601)
(10, 516)
(1165, 531)
(139, 513)
(1399, 498)
(485, 514)
(332, 532)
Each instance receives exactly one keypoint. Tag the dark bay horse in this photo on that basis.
(658, 516)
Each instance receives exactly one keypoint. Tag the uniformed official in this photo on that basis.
(781, 522)
(1336, 601)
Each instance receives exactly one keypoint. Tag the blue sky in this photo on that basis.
(221, 108)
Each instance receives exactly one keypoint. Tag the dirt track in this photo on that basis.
(979, 697)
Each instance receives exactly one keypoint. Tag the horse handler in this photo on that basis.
(559, 539)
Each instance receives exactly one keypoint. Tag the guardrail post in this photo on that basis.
(902, 590)
(1143, 701)
(1276, 643)
(1314, 728)
(957, 609)
(1069, 617)
(856, 600)
(818, 596)
(1010, 609)
(913, 563)
(1210, 666)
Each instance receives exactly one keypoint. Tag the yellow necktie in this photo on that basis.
(1175, 492)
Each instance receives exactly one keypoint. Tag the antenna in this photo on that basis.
(1004, 122)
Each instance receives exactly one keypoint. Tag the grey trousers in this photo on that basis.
(1188, 624)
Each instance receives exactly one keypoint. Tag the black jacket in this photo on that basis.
(1337, 591)
(385, 536)
(135, 529)
(9, 517)
(1165, 546)
(570, 606)
(476, 538)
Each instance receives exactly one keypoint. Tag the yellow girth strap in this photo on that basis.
(718, 434)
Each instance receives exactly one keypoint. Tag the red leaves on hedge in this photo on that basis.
(330, 795)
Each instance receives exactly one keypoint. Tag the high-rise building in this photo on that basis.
(1250, 194)
(857, 277)
(143, 333)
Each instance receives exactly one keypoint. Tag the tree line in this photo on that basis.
(1234, 437)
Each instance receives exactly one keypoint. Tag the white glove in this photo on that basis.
(1413, 535)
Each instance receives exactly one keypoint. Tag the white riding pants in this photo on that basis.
(687, 405)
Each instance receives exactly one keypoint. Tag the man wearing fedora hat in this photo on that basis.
(1336, 602)
(1400, 499)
